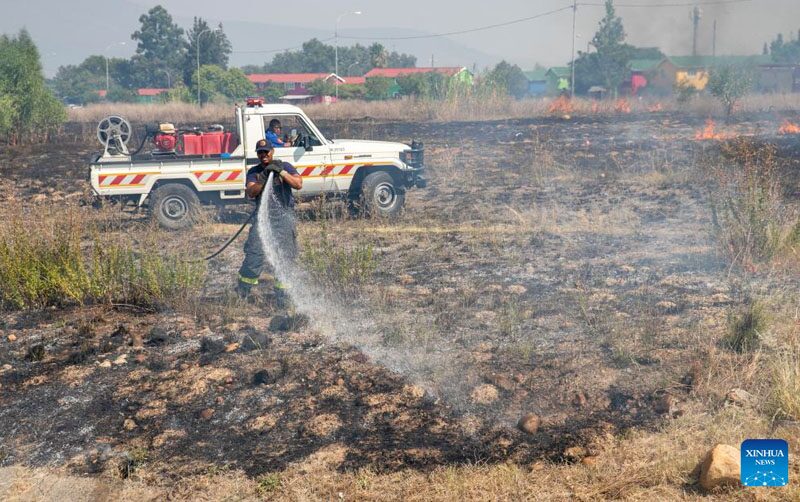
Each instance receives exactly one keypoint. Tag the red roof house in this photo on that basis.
(294, 83)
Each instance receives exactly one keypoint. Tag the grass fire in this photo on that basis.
(578, 282)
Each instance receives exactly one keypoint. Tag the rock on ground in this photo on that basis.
(720, 467)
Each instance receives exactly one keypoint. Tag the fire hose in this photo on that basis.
(228, 242)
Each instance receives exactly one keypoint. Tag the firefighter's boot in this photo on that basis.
(282, 299)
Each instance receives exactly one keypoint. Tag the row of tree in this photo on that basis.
(28, 110)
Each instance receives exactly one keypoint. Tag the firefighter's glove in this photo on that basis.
(274, 167)
(261, 178)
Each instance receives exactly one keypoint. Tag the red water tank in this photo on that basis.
(212, 143)
(192, 144)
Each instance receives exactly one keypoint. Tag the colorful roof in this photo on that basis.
(644, 64)
(286, 78)
(150, 91)
(534, 75)
(399, 72)
(355, 80)
(559, 71)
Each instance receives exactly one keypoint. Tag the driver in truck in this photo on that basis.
(281, 219)
(274, 135)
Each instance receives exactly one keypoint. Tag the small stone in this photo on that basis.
(123, 359)
(231, 347)
(739, 397)
(272, 372)
(105, 364)
(7, 367)
(184, 366)
(140, 358)
(206, 413)
(529, 423)
(484, 394)
(589, 461)
(12, 338)
(129, 424)
(720, 467)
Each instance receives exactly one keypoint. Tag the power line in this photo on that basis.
(682, 4)
(471, 30)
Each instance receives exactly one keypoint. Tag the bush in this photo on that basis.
(751, 220)
(65, 261)
(344, 269)
(729, 84)
(745, 327)
(785, 394)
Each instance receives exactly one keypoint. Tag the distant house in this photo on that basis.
(778, 77)
(149, 95)
(456, 75)
(558, 79)
(295, 84)
(693, 71)
(537, 82)
(642, 72)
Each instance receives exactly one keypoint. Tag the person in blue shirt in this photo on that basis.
(274, 134)
(281, 219)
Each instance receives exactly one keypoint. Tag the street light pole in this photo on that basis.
(169, 79)
(105, 55)
(350, 66)
(197, 43)
(574, 13)
(336, 46)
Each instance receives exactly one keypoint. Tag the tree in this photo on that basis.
(317, 57)
(322, 87)
(508, 79)
(785, 52)
(215, 48)
(729, 83)
(217, 84)
(377, 88)
(161, 46)
(613, 55)
(28, 108)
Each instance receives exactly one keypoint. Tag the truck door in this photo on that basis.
(312, 163)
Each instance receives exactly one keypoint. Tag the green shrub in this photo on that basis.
(60, 263)
(345, 269)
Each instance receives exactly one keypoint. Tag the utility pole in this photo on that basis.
(714, 40)
(336, 47)
(574, 14)
(431, 60)
(695, 15)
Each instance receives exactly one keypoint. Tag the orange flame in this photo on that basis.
(561, 105)
(789, 128)
(622, 106)
(709, 132)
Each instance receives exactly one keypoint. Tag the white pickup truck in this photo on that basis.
(175, 182)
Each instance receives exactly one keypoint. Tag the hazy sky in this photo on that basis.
(742, 28)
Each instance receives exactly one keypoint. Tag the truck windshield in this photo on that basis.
(286, 129)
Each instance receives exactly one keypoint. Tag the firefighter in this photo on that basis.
(273, 134)
(281, 219)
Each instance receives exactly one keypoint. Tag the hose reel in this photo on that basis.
(114, 132)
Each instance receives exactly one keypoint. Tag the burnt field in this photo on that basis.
(566, 268)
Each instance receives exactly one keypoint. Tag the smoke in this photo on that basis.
(440, 369)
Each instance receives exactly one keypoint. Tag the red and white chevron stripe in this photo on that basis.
(218, 176)
(329, 170)
(121, 180)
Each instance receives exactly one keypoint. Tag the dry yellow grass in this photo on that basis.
(473, 108)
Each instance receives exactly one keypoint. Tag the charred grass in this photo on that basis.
(580, 276)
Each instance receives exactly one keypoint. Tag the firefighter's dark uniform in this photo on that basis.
(282, 226)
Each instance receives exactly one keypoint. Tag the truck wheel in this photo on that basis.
(175, 206)
(380, 195)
